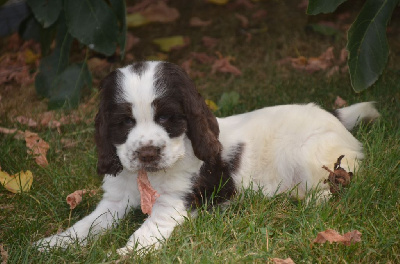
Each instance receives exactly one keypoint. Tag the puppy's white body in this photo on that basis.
(286, 146)
(145, 121)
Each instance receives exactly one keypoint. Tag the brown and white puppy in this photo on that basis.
(152, 117)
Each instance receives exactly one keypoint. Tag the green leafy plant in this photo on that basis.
(98, 25)
(367, 43)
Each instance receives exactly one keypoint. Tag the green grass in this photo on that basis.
(237, 233)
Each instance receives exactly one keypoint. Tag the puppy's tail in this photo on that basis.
(352, 115)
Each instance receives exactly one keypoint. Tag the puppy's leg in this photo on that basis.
(111, 208)
(167, 213)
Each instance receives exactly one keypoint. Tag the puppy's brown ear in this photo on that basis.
(203, 129)
(108, 161)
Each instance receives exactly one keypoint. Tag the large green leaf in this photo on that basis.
(323, 6)
(93, 23)
(119, 8)
(45, 11)
(68, 85)
(54, 64)
(367, 43)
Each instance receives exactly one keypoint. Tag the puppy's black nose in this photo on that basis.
(149, 154)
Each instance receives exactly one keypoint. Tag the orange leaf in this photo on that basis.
(333, 236)
(148, 195)
(224, 65)
(75, 198)
(37, 147)
(282, 261)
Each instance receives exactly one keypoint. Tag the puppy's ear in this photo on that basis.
(203, 129)
(108, 161)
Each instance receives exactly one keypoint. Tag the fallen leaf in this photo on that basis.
(339, 177)
(17, 183)
(343, 56)
(209, 42)
(333, 236)
(212, 105)
(37, 147)
(187, 66)
(312, 64)
(158, 57)
(242, 4)
(172, 43)
(198, 22)
(68, 143)
(260, 14)
(156, 12)
(97, 64)
(282, 261)
(26, 121)
(4, 254)
(202, 57)
(18, 134)
(148, 195)
(340, 102)
(218, 2)
(31, 57)
(223, 65)
(243, 20)
(131, 41)
(75, 198)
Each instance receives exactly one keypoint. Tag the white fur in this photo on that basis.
(284, 147)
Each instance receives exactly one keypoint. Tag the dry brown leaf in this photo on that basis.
(333, 236)
(260, 14)
(26, 121)
(224, 65)
(202, 57)
(339, 177)
(37, 147)
(312, 64)
(198, 22)
(75, 198)
(97, 64)
(340, 102)
(243, 20)
(131, 41)
(242, 4)
(187, 66)
(209, 42)
(160, 12)
(343, 56)
(282, 261)
(148, 195)
(68, 143)
(18, 134)
(4, 254)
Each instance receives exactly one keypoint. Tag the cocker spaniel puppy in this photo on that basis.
(152, 118)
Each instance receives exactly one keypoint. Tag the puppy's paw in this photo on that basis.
(57, 241)
(124, 251)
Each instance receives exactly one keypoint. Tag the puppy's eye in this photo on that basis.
(163, 118)
(129, 121)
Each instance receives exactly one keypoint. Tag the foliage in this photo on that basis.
(98, 25)
(367, 42)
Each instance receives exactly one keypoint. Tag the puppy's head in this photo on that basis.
(146, 112)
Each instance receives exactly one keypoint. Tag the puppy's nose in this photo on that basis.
(149, 154)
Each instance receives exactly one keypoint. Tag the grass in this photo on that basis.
(238, 233)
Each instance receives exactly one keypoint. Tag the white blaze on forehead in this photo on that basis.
(139, 90)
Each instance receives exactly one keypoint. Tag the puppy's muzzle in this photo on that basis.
(149, 155)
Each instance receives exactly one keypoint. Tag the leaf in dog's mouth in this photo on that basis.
(148, 195)
(339, 177)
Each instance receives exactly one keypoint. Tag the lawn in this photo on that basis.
(252, 228)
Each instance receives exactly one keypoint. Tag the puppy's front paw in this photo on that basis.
(124, 251)
(62, 240)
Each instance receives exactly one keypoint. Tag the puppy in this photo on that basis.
(151, 117)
